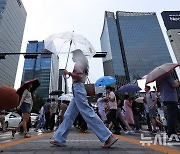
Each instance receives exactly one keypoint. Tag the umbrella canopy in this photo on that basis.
(35, 84)
(66, 97)
(104, 81)
(140, 99)
(57, 92)
(129, 88)
(61, 43)
(8, 98)
(160, 71)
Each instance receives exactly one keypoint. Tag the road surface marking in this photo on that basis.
(9, 144)
(159, 148)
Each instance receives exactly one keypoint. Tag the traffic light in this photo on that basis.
(100, 55)
(2, 56)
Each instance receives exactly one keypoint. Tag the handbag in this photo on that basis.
(90, 89)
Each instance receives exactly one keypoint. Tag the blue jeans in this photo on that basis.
(40, 123)
(80, 104)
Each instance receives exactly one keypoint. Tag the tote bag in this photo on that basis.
(90, 89)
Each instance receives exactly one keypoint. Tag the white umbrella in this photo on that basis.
(140, 99)
(66, 97)
(62, 43)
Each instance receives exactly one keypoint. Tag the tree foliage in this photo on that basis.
(38, 101)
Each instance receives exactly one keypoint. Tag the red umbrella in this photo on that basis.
(160, 71)
(8, 98)
(35, 83)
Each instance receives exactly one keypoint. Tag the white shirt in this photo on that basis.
(112, 104)
(28, 96)
(101, 104)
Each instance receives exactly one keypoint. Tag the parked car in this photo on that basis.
(12, 119)
(34, 118)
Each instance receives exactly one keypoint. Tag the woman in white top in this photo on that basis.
(25, 105)
(101, 102)
(80, 104)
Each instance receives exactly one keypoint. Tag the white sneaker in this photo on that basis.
(132, 131)
(127, 132)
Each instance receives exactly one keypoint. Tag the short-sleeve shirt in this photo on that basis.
(150, 97)
(53, 107)
(112, 104)
(79, 69)
(27, 96)
(101, 104)
(167, 92)
(47, 107)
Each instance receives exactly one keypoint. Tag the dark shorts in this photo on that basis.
(25, 107)
(152, 112)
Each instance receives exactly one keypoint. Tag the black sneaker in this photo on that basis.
(117, 133)
(154, 132)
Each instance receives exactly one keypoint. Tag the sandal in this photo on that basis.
(56, 143)
(83, 131)
(13, 132)
(110, 142)
(27, 135)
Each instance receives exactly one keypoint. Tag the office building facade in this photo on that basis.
(44, 67)
(172, 23)
(135, 45)
(12, 24)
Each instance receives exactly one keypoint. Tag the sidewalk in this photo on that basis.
(76, 144)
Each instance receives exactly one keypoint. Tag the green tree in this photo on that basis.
(38, 101)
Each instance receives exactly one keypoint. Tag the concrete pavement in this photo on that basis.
(78, 143)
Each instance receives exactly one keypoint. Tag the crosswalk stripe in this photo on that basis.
(159, 148)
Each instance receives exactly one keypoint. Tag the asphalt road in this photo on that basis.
(87, 143)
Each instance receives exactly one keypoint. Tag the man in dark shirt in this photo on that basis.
(166, 86)
(47, 109)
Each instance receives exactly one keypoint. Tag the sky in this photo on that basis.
(85, 17)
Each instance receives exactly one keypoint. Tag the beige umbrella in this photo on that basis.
(140, 99)
(160, 71)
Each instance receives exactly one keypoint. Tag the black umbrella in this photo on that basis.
(57, 92)
(35, 83)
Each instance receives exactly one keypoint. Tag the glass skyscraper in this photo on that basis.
(12, 23)
(44, 67)
(135, 45)
(172, 22)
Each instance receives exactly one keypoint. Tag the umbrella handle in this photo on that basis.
(66, 77)
(68, 54)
